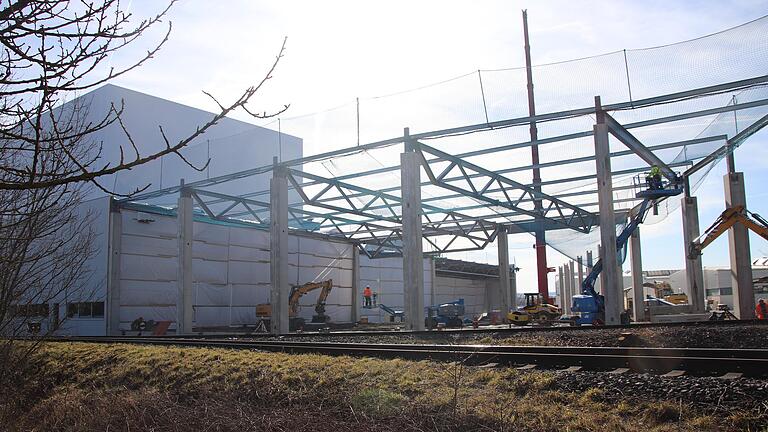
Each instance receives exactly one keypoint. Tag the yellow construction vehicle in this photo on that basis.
(264, 310)
(535, 310)
(663, 290)
(727, 219)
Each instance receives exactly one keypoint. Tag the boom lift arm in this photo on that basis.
(588, 286)
(727, 219)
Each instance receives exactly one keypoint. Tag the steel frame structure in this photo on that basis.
(340, 208)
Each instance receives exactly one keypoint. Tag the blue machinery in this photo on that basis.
(589, 305)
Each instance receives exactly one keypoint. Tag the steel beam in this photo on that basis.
(634, 144)
(561, 291)
(553, 209)
(580, 264)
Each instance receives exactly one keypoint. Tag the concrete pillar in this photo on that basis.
(356, 289)
(638, 299)
(738, 246)
(610, 277)
(513, 288)
(573, 288)
(278, 250)
(580, 264)
(567, 289)
(694, 273)
(113, 265)
(560, 287)
(504, 288)
(184, 215)
(413, 262)
(432, 281)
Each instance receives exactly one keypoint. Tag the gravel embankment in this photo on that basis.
(701, 335)
(705, 393)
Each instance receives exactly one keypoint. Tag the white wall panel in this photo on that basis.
(147, 268)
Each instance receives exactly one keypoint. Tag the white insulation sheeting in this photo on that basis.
(230, 268)
(448, 289)
(385, 277)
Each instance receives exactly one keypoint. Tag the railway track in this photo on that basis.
(671, 361)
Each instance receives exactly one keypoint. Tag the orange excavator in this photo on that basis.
(727, 219)
(264, 310)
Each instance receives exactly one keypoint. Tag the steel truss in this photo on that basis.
(338, 208)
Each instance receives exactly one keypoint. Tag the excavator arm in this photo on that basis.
(297, 291)
(726, 220)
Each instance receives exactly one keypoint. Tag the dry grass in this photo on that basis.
(128, 387)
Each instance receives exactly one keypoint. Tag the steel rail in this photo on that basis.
(697, 361)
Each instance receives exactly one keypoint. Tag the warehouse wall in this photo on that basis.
(385, 277)
(230, 268)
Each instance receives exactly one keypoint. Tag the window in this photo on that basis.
(726, 291)
(30, 310)
(85, 310)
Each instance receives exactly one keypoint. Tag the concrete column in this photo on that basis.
(513, 288)
(610, 277)
(580, 264)
(567, 289)
(504, 288)
(574, 289)
(184, 215)
(113, 264)
(413, 262)
(694, 273)
(738, 246)
(561, 287)
(356, 289)
(278, 250)
(638, 299)
(433, 281)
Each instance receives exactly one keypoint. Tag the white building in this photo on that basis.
(136, 269)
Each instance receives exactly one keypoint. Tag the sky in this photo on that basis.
(340, 50)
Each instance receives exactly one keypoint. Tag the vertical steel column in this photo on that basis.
(413, 261)
(589, 261)
(540, 232)
(513, 287)
(113, 264)
(610, 277)
(355, 284)
(504, 288)
(694, 273)
(635, 255)
(738, 246)
(184, 215)
(278, 250)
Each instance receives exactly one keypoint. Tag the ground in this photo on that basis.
(71, 386)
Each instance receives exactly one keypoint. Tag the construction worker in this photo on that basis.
(761, 310)
(367, 297)
(654, 178)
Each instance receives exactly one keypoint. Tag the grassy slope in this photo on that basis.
(126, 387)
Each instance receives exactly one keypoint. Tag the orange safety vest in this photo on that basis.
(761, 310)
(367, 292)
